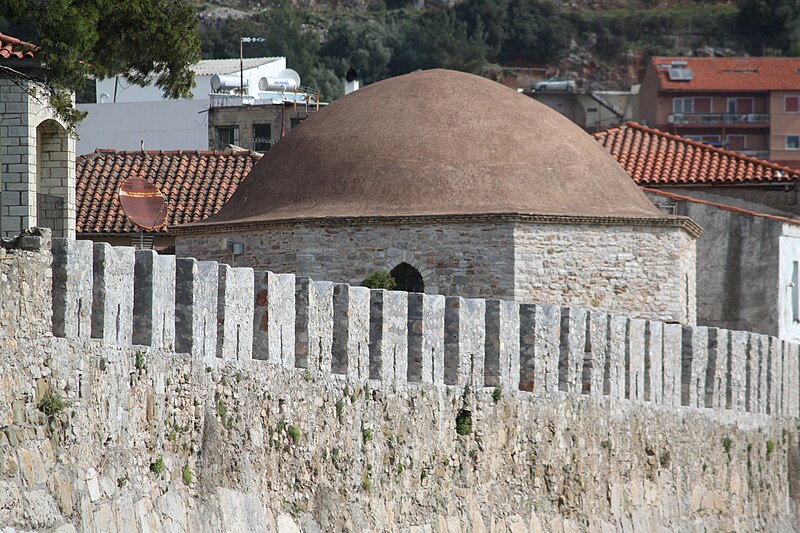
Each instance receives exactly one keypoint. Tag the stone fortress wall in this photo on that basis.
(141, 392)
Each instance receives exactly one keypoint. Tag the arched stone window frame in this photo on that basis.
(396, 256)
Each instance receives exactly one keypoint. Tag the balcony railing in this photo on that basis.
(717, 118)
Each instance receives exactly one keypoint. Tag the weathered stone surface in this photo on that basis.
(154, 300)
(72, 288)
(274, 318)
(196, 293)
(572, 347)
(351, 308)
(112, 295)
(540, 340)
(314, 326)
(464, 341)
(653, 361)
(634, 359)
(614, 376)
(388, 336)
(235, 308)
(502, 344)
(426, 338)
(694, 362)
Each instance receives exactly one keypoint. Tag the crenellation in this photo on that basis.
(793, 385)
(634, 359)
(235, 311)
(614, 372)
(540, 340)
(154, 300)
(465, 341)
(774, 355)
(314, 326)
(653, 361)
(595, 353)
(426, 338)
(196, 293)
(572, 347)
(671, 364)
(501, 351)
(72, 288)
(736, 394)
(388, 336)
(274, 317)
(694, 360)
(112, 295)
(717, 370)
(350, 348)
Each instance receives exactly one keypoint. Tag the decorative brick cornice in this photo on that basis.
(684, 223)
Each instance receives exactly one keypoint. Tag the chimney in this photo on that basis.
(350, 81)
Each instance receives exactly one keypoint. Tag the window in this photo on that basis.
(407, 278)
(262, 137)
(791, 104)
(793, 142)
(702, 105)
(683, 106)
(227, 135)
(740, 106)
(737, 142)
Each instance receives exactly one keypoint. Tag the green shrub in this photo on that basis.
(186, 473)
(294, 433)
(379, 280)
(157, 466)
(51, 403)
(464, 422)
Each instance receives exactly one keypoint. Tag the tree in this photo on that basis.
(437, 39)
(535, 31)
(362, 45)
(491, 15)
(769, 24)
(142, 40)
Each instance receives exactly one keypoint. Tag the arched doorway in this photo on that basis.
(407, 278)
(52, 176)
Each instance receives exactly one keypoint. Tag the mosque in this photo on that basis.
(457, 185)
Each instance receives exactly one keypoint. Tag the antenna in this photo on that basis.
(143, 204)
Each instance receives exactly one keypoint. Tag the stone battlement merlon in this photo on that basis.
(216, 312)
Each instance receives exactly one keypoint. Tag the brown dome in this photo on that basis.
(435, 142)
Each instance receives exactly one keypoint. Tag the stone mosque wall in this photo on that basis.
(143, 393)
(644, 271)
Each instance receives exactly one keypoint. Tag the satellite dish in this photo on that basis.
(143, 203)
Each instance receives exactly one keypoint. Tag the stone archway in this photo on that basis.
(407, 278)
(52, 176)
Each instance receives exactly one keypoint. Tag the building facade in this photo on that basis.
(747, 104)
(534, 210)
(37, 152)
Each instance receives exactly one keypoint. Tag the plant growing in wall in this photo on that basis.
(379, 280)
(51, 403)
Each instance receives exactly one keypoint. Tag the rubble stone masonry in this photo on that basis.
(348, 409)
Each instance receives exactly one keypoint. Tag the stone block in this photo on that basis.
(540, 340)
(775, 355)
(72, 288)
(671, 364)
(112, 295)
(388, 336)
(314, 325)
(737, 370)
(694, 362)
(756, 374)
(572, 346)
(154, 300)
(634, 359)
(426, 338)
(793, 384)
(350, 349)
(196, 292)
(501, 365)
(464, 341)
(653, 361)
(594, 358)
(717, 370)
(274, 318)
(614, 373)
(235, 303)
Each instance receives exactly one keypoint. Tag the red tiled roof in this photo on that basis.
(652, 157)
(722, 206)
(733, 74)
(13, 48)
(195, 183)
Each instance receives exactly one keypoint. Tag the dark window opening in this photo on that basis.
(407, 278)
(262, 137)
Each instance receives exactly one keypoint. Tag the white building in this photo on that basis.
(129, 117)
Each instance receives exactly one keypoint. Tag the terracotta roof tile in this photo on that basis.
(732, 74)
(652, 158)
(195, 183)
(13, 48)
